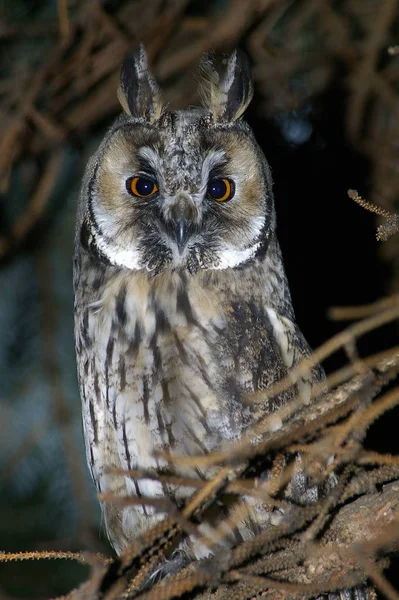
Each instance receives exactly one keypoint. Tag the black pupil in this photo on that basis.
(144, 186)
(217, 188)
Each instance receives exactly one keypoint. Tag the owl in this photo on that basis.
(182, 306)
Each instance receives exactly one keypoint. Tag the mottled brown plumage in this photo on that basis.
(171, 334)
(182, 304)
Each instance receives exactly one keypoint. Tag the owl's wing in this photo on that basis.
(293, 348)
(267, 352)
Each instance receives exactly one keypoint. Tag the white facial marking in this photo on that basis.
(212, 160)
(152, 157)
(130, 259)
(117, 255)
(232, 257)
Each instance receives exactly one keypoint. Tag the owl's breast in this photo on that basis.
(159, 369)
(179, 365)
(165, 364)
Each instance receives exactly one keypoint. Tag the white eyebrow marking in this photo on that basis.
(151, 157)
(212, 160)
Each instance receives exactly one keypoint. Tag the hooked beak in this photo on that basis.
(182, 233)
(183, 219)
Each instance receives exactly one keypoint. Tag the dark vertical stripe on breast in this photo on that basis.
(163, 430)
(86, 367)
(146, 398)
(96, 384)
(106, 377)
(183, 305)
(134, 343)
(171, 437)
(180, 348)
(203, 418)
(157, 358)
(122, 373)
(204, 373)
(84, 329)
(161, 425)
(129, 464)
(166, 399)
(114, 413)
(162, 323)
(92, 462)
(93, 421)
(110, 349)
(120, 307)
(196, 439)
(126, 445)
(108, 361)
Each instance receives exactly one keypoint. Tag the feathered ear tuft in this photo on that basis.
(226, 87)
(138, 91)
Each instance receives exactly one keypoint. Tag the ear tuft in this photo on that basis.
(226, 87)
(138, 91)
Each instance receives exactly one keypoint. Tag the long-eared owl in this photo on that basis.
(182, 306)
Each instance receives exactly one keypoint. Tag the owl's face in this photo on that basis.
(179, 190)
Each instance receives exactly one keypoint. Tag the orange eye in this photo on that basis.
(143, 187)
(221, 189)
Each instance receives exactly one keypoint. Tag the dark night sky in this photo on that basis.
(328, 241)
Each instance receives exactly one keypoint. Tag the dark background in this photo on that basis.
(323, 130)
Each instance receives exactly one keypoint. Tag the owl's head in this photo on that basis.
(188, 189)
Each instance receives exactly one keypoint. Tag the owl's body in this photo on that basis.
(182, 304)
(167, 365)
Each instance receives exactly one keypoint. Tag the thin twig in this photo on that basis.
(63, 20)
(35, 207)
